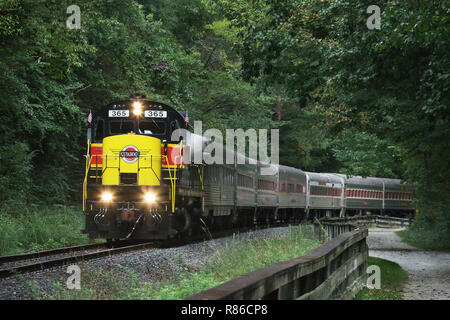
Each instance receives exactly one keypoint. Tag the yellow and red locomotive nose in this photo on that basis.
(131, 159)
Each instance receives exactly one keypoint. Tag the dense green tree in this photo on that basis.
(363, 153)
(185, 19)
(51, 76)
(345, 98)
(387, 88)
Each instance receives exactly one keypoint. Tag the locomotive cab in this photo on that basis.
(131, 170)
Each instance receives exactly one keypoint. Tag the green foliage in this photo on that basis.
(303, 140)
(430, 229)
(242, 258)
(36, 229)
(345, 98)
(185, 19)
(363, 153)
(236, 258)
(224, 102)
(15, 168)
(393, 278)
(9, 17)
(384, 93)
(52, 76)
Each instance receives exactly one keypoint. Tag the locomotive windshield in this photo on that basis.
(121, 127)
(153, 127)
(138, 116)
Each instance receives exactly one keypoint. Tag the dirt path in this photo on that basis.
(428, 271)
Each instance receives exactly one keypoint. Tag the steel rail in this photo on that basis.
(35, 255)
(123, 246)
(59, 261)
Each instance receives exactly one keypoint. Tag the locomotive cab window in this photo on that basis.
(121, 127)
(152, 127)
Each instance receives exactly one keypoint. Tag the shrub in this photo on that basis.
(40, 228)
(430, 229)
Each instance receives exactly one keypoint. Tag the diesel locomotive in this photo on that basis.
(141, 184)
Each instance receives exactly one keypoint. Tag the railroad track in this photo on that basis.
(22, 263)
(28, 262)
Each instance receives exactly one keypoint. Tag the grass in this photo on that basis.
(430, 229)
(42, 228)
(424, 240)
(393, 278)
(236, 258)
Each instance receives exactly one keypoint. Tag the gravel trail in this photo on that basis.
(428, 271)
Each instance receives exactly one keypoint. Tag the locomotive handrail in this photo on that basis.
(172, 184)
(106, 156)
(173, 180)
(200, 174)
(171, 169)
(85, 181)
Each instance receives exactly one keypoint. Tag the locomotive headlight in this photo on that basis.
(107, 196)
(137, 107)
(149, 197)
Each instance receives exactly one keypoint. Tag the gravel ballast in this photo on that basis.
(150, 264)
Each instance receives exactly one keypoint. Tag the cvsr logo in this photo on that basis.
(130, 154)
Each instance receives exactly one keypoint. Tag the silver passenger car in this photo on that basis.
(246, 176)
(291, 188)
(364, 194)
(267, 184)
(398, 196)
(324, 192)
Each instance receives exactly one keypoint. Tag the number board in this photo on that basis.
(155, 114)
(119, 113)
